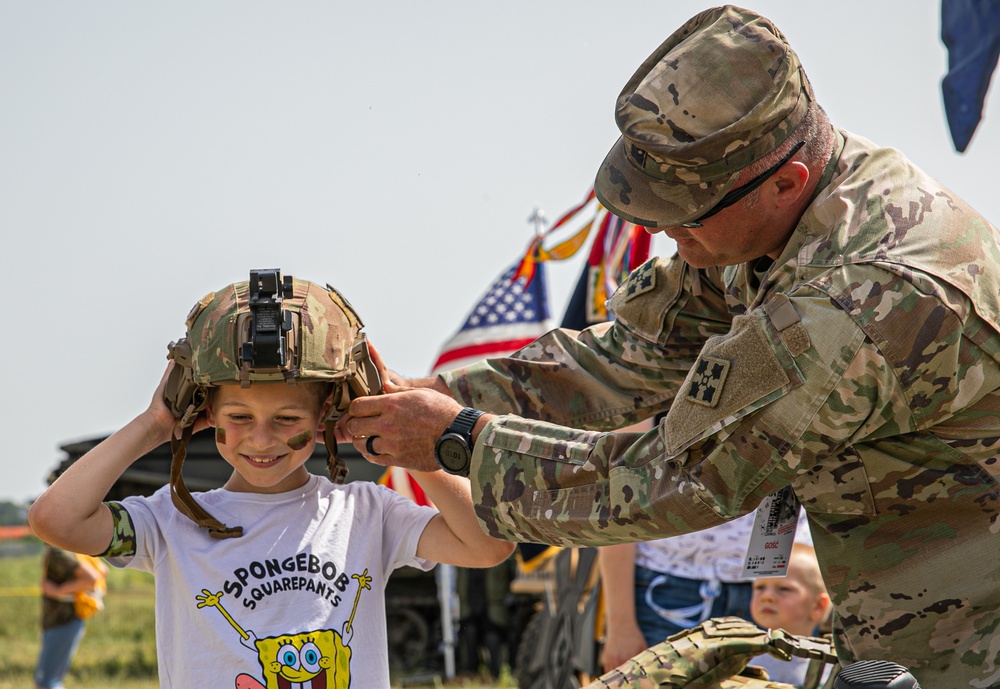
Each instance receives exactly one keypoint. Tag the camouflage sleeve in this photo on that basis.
(613, 374)
(123, 540)
(774, 382)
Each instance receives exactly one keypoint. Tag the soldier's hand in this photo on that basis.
(403, 425)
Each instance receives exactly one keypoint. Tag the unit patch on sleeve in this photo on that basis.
(641, 280)
(707, 381)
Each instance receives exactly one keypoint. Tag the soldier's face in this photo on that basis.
(266, 432)
(757, 225)
(734, 235)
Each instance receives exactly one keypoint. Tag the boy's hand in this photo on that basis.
(70, 513)
(160, 421)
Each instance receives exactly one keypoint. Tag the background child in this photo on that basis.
(797, 603)
(292, 590)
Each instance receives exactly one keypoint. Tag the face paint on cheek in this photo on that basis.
(220, 435)
(297, 442)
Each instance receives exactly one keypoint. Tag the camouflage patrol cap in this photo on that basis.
(721, 92)
(266, 329)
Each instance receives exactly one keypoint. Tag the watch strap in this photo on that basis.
(459, 432)
(464, 423)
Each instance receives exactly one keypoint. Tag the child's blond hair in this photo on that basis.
(803, 561)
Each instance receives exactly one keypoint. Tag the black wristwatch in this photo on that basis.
(453, 450)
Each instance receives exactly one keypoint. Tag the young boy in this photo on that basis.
(290, 593)
(797, 603)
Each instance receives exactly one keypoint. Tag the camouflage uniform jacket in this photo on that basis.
(861, 369)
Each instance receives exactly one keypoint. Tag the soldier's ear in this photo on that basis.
(790, 182)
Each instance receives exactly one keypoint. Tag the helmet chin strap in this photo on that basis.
(340, 399)
(363, 380)
(334, 464)
(181, 496)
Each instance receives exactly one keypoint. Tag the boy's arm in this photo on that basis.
(70, 514)
(454, 536)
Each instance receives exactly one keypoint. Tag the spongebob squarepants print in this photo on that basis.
(319, 659)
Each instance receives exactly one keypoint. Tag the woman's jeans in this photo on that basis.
(58, 646)
(666, 604)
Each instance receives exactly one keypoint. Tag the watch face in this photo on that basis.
(453, 453)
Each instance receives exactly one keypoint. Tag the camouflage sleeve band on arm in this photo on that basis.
(123, 539)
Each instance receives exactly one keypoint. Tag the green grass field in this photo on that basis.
(118, 649)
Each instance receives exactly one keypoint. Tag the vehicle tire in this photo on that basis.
(408, 635)
(545, 655)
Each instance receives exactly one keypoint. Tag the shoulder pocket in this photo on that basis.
(642, 301)
(735, 375)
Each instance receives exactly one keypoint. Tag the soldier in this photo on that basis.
(848, 349)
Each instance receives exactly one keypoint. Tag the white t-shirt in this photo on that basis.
(302, 592)
(715, 553)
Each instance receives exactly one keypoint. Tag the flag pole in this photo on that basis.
(537, 218)
(446, 575)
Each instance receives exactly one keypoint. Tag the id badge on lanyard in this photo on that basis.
(772, 535)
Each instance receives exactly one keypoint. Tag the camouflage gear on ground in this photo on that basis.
(320, 341)
(721, 92)
(714, 655)
(861, 369)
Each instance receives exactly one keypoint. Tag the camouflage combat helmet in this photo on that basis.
(266, 329)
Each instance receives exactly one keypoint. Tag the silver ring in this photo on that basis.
(369, 448)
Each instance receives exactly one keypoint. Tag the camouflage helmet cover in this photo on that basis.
(720, 93)
(318, 336)
(322, 344)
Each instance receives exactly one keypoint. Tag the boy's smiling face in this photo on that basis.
(266, 432)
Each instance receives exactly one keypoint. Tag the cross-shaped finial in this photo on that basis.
(537, 218)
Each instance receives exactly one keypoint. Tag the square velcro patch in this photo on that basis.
(709, 375)
(641, 280)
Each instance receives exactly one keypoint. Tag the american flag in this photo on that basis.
(512, 314)
(402, 482)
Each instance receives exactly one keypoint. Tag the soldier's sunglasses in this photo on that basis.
(736, 194)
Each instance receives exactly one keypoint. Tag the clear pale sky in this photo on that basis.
(153, 152)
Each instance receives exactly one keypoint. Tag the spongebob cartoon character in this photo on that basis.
(319, 659)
